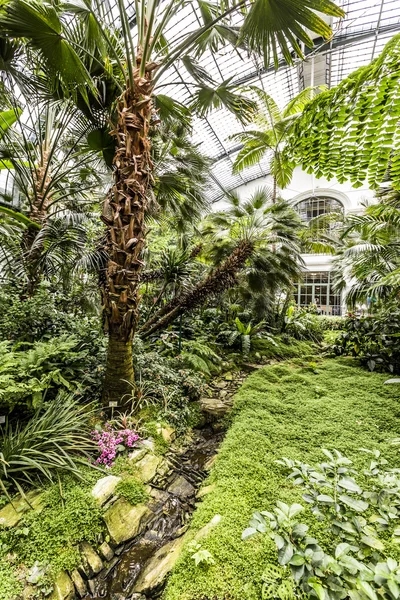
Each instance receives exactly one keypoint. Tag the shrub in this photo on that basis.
(29, 371)
(55, 439)
(357, 521)
(330, 323)
(303, 325)
(373, 338)
(132, 490)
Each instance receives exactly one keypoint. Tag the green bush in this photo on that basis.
(132, 490)
(303, 325)
(54, 440)
(330, 323)
(30, 372)
(374, 339)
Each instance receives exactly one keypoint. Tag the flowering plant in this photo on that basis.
(110, 441)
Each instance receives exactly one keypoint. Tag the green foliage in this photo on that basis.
(132, 490)
(54, 440)
(70, 515)
(373, 338)
(26, 375)
(358, 521)
(198, 356)
(302, 325)
(330, 323)
(348, 131)
(283, 347)
(10, 586)
(200, 555)
(245, 333)
(279, 412)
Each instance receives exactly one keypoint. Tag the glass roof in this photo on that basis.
(358, 38)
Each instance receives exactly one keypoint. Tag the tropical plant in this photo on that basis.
(374, 339)
(27, 375)
(369, 257)
(273, 127)
(270, 231)
(54, 440)
(245, 333)
(359, 566)
(53, 191)
(113, 79)
(302, 325)
(198, 356)
(350, 131)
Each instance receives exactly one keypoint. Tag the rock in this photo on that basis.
(206, 490)
(221, 384)
(147, 467)
(137, 454)
(79, 583)
(106, 551)
(168, 433)
(228, 376)
(158, 495)
(252, 366)
(125, 521)
(104, 488)
(63, 588)
(182, 488)
(159, 566)
(13, 512)
(214, 406)
(223, 393)
(29, 592)
(392, 380)
(148, 444)
(91, 561)
(209, 464)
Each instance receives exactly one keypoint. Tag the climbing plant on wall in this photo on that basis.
(352, 131)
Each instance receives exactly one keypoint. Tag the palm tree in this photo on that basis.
(273, 229)
(369, 259)
(112, 75)
(273, 128)
(53, 189)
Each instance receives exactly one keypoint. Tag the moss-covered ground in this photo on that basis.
(293, 409)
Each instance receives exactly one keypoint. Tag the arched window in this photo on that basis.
(316, 206)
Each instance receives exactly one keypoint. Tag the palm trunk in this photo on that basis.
(119, 371)
(123, 213)
(38, 214)
(223, 278)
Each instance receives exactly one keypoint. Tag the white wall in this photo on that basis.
(303, 184)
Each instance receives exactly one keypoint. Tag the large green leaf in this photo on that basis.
(41, 24)
(279, 25)
(7, 119)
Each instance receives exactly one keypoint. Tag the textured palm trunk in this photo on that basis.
(38, 214)
(223, 278)
(123, 213)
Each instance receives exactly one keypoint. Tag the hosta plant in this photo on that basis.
(352, 560)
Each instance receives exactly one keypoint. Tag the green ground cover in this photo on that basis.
(292, 410)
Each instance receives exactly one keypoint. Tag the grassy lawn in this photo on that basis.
(282, 410)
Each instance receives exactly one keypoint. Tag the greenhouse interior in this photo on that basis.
(199, 299)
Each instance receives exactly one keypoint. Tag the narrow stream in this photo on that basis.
(174, 502)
